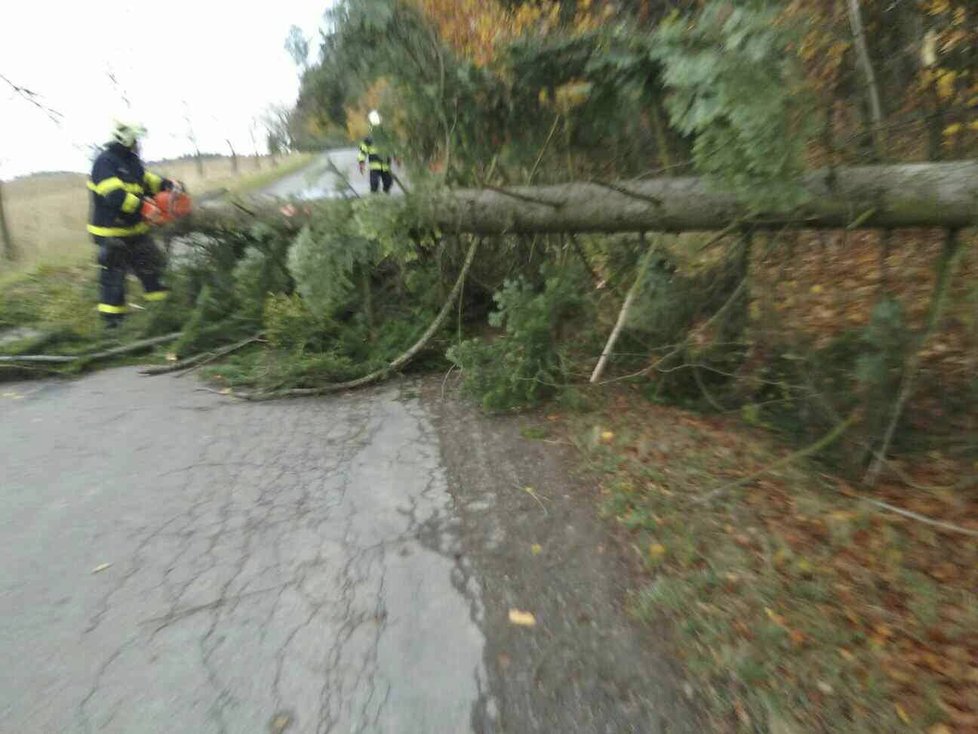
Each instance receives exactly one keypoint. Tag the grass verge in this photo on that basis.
(798, 606)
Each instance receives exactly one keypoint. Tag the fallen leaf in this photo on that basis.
(606, 436)
(847, 489)
(741, 713)
(944, 572)
(657, 550)
(536, 549)
(846, 655)
(804, 567)
(901, 676)
(824, 687)
(171, 357)
(280, 723)
(939, 729)
(902, 713)
(226, 391)
(774, 617)
(522, 619)
(13, 395)
(101, 567)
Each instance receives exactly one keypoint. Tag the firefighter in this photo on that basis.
(375, 150)
(118, 184)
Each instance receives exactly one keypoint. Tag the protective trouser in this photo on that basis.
(118, 256)
(377, 176)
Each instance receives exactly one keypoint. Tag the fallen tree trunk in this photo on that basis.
(886, 197)
(909, 195)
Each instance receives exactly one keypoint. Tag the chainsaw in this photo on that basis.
(167, 206)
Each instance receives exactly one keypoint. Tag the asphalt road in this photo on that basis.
(172, 560)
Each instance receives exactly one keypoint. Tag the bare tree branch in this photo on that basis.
(34, 98)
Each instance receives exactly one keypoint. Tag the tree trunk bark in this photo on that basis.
(234, 157)
(868, 197)
(910, 195)
(9, 251)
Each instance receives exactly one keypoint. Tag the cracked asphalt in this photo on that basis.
(174, 561)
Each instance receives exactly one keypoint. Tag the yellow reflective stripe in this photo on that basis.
(141, 228)
(152, 181)
(379, 166)
(130, 203)
(156, 295)
(108, 308)
(108, 185)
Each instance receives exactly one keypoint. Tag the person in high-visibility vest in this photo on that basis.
(117, 225)
(377, 153)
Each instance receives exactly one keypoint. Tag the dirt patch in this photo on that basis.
(531, 532)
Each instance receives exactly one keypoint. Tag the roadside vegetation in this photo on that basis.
(785, 428)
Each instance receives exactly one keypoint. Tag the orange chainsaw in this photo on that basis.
(167, 206)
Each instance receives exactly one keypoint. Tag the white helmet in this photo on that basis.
(127, 132)
(374, 117)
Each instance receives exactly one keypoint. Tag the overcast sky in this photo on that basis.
(219, 62)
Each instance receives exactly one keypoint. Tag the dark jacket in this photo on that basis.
(118, 183)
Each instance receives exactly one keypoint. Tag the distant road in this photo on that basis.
(332, 174)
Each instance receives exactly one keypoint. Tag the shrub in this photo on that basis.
(528, 362)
